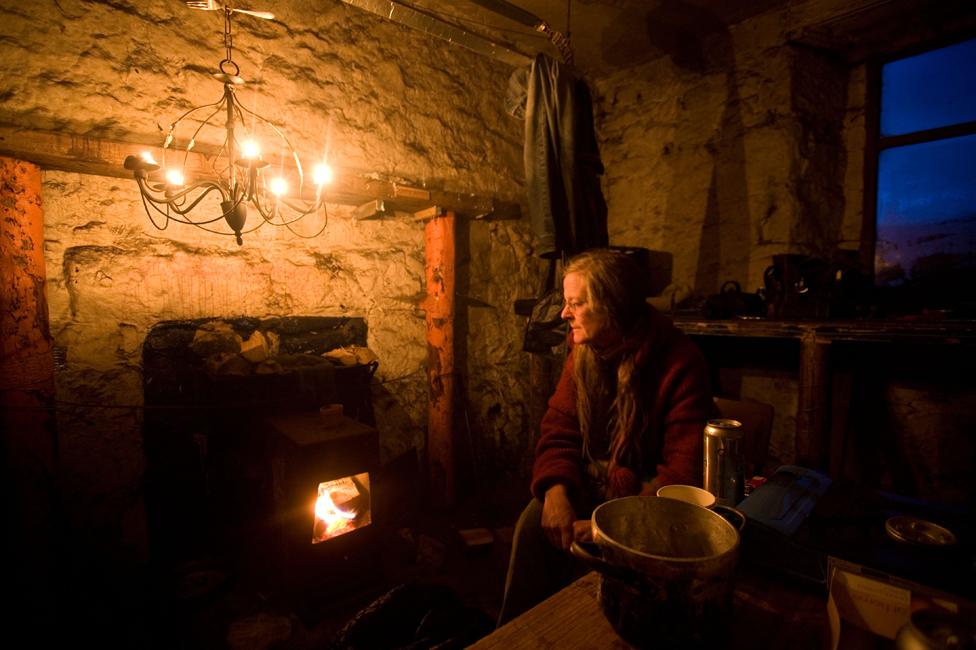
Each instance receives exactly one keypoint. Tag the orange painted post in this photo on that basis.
(27, 431)
(26, 361)
(439, 306)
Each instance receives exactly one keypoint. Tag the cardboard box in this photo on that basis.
(866, 606)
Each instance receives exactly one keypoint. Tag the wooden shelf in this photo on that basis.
(815, 447)
(881, 331)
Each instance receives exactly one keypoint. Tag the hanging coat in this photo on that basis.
(567, 210)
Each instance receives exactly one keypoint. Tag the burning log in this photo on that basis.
(342, 506)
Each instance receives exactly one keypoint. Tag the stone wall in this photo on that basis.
(703, 162)
(741, 145)
(385, 100)
(722, 155)
(728, 159)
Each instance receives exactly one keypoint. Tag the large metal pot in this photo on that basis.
(666, 570)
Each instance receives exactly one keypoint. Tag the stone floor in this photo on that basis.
(425, 571)
(435, 581)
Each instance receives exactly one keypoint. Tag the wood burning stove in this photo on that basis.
(323, 479)
(235, 462)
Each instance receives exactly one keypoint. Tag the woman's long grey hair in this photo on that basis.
(616, 288)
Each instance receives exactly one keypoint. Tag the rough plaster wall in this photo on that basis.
(729, 161)
(939, 465)
(725, 161)
(701, 164)
(759, 150)
(855, 140)
(401, 105)
(499, 427)
(820, 102)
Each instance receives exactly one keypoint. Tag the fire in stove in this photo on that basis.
(342, 506)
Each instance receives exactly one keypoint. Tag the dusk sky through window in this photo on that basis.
(926, 207)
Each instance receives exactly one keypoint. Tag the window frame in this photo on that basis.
(875, 143)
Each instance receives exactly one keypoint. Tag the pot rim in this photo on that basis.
(665, 558)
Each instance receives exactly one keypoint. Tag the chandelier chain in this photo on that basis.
(228, 37)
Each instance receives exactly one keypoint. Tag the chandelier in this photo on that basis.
(236, 171)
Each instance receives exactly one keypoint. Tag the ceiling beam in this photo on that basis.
(434, 26)
(101, 157)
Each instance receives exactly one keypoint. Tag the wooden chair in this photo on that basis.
(757, 424)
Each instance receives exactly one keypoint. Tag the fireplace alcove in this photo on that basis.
(217, 441)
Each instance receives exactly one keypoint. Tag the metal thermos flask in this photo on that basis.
(723, 461)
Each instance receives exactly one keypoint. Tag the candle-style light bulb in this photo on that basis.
(250, 150)
(148, 158)
(174, 178)
(278, 186)
(322, 174)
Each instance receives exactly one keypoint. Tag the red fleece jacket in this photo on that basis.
(675, 384)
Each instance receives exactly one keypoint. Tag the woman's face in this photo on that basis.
(587, 326)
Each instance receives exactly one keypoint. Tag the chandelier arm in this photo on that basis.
(173, 201)
(269, 215)
(294, 154)
(194, 110)
(147, 203)
(300, 212)
(325, 223)
(221, 232)
(176, 123)
(202, 224)
(266, 215)
(172, 205)
(193, 138)
(210, 187)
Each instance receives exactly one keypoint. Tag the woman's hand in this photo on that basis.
(583, 530)
(558, 517)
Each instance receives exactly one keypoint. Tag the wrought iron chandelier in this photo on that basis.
(236, 170)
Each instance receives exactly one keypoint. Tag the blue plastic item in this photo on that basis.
(786, 500)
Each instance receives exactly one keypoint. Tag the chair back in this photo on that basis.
(757, 427)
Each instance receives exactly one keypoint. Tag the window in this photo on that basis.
(925, 210)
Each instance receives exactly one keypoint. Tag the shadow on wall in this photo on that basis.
(819, 96)
(725, 241)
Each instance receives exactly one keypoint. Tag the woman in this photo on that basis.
(627, 417)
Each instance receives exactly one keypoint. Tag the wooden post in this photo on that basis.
(27, 429)
(811, 415)
(26, 361)
(439, 306)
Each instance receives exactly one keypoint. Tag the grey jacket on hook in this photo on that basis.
(567, 210)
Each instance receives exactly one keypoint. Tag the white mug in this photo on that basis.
(688, 493)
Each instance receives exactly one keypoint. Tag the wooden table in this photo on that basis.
(768, 614)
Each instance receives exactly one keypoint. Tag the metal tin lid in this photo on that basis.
(918, 531)
(724, 428)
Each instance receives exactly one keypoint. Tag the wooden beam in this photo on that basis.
(427, 214)
(370, 210)
(101, 157)
(28, 436)
(439, 307)
(812, 402)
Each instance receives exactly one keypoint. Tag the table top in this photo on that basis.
(768, 613)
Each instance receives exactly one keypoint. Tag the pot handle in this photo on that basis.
(589, 555)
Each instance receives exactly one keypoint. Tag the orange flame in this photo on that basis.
(332, 519)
